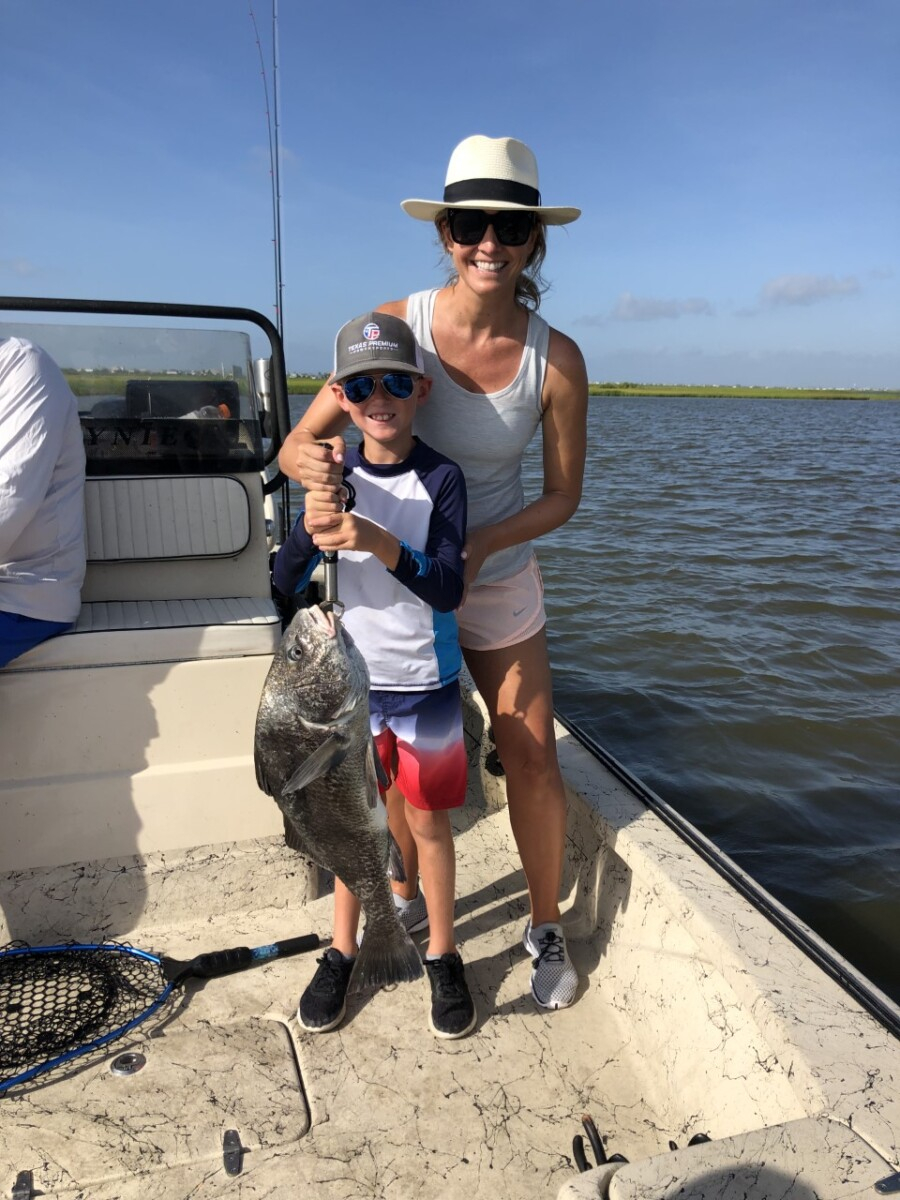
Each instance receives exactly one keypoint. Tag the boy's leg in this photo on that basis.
(324, 1001)
(394, 800)
(431, 773)
(433, 839)
(346, 919)
(452, 1010)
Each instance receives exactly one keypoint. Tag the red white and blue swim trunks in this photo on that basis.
(419, 738)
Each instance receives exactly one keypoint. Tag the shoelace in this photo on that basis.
(331, 981)
(552, 948)
(448, 983)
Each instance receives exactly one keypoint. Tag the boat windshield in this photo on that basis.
(158, 400)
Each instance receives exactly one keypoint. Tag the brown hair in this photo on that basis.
(531, 284)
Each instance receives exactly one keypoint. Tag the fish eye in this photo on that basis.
(294, 652)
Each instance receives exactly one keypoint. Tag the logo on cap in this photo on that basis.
(372, 332)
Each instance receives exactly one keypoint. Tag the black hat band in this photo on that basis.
(503, 190)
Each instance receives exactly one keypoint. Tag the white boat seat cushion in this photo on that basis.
(171, 527)
(166, 517)
(117, 633)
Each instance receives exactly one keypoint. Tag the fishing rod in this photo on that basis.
(279, 480)
(273, 127)
(276, 175)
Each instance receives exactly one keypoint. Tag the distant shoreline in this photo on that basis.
(88, 383)
(306, 385)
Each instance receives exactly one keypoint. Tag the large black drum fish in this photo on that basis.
(314, 754)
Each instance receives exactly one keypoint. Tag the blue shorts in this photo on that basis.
(419, 738)
(18, 634)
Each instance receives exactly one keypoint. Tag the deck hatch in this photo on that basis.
(202, 1078)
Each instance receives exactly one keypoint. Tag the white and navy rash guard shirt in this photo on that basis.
(403, 620)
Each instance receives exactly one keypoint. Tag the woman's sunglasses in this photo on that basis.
(469, 225)
(359, 388)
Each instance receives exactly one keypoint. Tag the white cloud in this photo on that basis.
(648, 308)
(806, 289)
(20, 267)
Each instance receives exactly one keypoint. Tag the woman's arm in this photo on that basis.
(302, 458)
(564, 431)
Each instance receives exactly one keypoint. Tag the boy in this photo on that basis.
(400, 579)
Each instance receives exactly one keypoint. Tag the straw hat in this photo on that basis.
(495, 173)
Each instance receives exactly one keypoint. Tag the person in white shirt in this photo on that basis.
(42, 548)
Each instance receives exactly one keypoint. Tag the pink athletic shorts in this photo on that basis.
(419, 738)
(503, 613)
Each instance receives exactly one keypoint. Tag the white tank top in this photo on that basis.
(486, 434)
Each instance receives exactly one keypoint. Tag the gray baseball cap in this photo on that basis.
(376, 342)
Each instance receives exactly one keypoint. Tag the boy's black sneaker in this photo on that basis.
(452, 1010)
(324, 1002)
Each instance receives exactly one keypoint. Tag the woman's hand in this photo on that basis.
(318, 464)
(474, 552)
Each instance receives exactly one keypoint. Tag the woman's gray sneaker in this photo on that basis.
(414, 915)
(554, 980)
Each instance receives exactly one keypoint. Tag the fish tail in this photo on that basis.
(387, 955)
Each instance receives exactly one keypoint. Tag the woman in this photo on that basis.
(498, 371)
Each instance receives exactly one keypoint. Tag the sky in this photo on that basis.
(737, 163)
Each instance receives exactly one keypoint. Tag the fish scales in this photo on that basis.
(314, 754)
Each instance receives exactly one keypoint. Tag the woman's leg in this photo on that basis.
(437, 866)
(516, 685)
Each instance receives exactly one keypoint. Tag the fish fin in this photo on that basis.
(377, 781)
(387, 955)
(325, 758)
(262, 778)
(380, 774)
(292, 838)
(396, 869)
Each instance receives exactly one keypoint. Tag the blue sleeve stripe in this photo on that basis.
(307, 574)
(446, 647)
(422, 561)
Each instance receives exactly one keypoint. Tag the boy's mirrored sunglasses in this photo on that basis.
(469, 225)
(359, 388)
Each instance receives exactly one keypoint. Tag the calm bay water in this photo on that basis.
(723, 618)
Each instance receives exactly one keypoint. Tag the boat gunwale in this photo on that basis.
(837, 968)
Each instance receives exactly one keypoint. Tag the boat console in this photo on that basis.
(147, 706)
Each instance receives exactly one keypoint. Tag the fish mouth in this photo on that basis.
(326, 621)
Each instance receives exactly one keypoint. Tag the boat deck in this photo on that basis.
(377, 1108)
(680, 1028)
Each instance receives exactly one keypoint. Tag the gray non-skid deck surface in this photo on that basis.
(384, 1108)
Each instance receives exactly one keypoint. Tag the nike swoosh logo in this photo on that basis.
(518, 612)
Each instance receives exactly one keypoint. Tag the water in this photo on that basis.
(722, 617)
